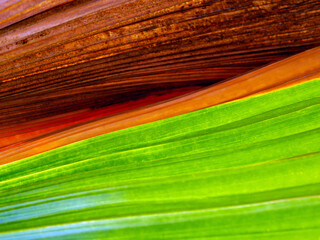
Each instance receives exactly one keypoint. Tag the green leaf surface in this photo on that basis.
(248, 169)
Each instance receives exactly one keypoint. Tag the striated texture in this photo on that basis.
(296, 69)
(90, 54)
(13, 11)
(248, 169)
(19, 134)
(159, 119)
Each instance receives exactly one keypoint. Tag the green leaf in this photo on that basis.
(249, 169)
